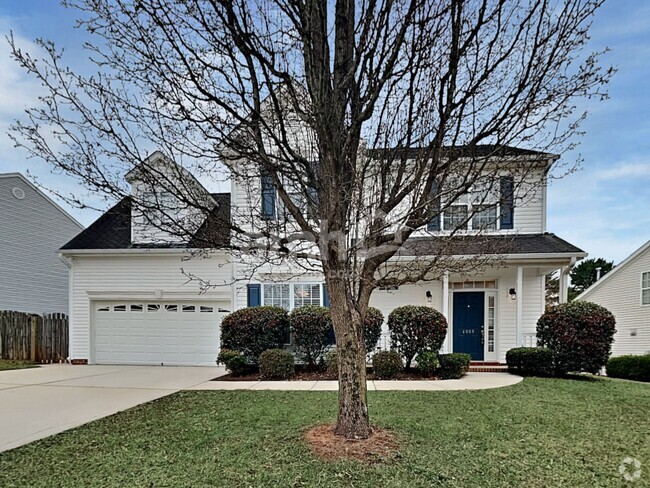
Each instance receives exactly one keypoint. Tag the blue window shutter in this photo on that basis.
(507, 202)
(268, 197)
(434, 223)
(254, 295)
(331, 338)
(326, 297)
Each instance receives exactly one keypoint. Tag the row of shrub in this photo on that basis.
(389, 365)
(251, 331)
(630, 367)
(572, 337)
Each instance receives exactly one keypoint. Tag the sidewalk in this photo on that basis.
(472, 381)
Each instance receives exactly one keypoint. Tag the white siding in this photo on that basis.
(621, 295)
(139, 276)
(32, 229)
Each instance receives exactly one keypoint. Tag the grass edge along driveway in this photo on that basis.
(539, 433)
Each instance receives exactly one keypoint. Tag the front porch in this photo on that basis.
(489, 313)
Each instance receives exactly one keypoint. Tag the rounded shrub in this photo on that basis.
(310, 326)
(276, 364)
(372, 328)
(428, 362)
(254, 330)
(387, 364)
(630, 367)
(579, 335)
(530, 361)
(454, 366)
(234, 362)
(416, 328)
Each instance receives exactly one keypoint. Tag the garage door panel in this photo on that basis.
(156, 333)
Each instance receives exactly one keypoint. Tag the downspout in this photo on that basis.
(68, 263)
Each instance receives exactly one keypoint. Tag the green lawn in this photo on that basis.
(7, 364)
(540, 433)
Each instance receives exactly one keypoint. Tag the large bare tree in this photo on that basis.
(368, 118)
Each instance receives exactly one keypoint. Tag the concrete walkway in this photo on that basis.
(472, 381)
(36, 403)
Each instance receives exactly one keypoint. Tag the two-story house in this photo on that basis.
(33, 227)
(133, 302)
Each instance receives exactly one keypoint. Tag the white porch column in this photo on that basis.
(520, 302)
(445, 308)
(564, 285)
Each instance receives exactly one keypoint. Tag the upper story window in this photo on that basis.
(484, 207)
(645, 288)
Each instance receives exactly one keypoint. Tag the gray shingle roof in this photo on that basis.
(112, 230)
(476, 151)
(488, 244)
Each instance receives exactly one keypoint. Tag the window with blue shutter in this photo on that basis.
(268, 197)
(434, 223)
(507, 202)
(254, 298)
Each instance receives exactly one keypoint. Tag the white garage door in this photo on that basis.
(170, 332)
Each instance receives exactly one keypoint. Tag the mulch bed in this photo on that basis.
(380, 447)
(304, 374)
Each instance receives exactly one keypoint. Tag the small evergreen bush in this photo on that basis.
(428, 363)
(530, 361)
(234, 362)
(276, 364)
(630, 367)
(454, 366)
(387, 364)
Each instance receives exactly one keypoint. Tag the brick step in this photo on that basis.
(495, 368)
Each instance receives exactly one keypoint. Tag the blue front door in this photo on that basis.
(469, 316)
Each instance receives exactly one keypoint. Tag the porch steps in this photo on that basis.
(487, 367)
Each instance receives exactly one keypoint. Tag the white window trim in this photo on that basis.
(643, 289)
(291, 292)
(470, 204)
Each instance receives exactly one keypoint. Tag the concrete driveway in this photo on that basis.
(39, 402)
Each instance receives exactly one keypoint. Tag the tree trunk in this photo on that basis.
(353, 421)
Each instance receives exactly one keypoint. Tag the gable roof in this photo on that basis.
(630, 259)
(40, 192)
(112, 230)
(471, 245)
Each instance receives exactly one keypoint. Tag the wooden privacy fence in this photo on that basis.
(38, 338)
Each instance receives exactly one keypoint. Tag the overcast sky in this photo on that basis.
(604, 208)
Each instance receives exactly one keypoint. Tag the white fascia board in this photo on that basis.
(136, 251)
(505, 257)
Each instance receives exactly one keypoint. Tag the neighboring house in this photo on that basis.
(132, 301)
(32, 229)
(625, 291)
